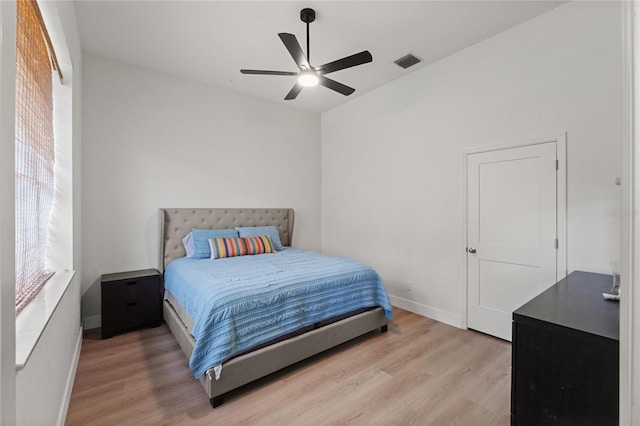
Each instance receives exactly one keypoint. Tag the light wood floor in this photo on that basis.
(420, 372)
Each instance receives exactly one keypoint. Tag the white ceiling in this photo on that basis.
(209, 41)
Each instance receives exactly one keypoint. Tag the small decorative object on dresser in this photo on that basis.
(130, 300)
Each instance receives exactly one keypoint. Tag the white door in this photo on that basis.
(511, 232)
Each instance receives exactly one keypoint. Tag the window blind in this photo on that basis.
(34, 151)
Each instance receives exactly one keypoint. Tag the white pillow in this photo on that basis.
(189, 245)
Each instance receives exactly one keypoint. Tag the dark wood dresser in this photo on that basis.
(565, 352)
(130, 300)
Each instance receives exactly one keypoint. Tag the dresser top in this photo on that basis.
(576, 302)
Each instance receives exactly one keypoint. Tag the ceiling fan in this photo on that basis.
(309, 75)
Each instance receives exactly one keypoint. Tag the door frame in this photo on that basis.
(561, 207)
(630, 229)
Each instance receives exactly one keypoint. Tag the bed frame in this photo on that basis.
(175, 224)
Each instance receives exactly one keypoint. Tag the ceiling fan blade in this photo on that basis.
(334, 85)
(291, 43)
(263, 72)
(293, 93)
(347, 62)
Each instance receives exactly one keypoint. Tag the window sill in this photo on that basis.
(33, 319)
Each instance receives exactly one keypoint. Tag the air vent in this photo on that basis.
(407, 61)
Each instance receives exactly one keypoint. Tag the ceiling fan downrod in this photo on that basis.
(307, 16)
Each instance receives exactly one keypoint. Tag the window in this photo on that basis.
(34, 150)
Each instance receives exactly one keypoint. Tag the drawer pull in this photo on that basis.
(132, 283)
(132, 304)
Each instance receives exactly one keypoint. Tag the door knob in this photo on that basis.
(471, 250)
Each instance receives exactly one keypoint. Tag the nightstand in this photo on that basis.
(130, 300)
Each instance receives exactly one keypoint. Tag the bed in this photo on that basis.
(275, 354)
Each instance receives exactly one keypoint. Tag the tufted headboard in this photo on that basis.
(175, 224)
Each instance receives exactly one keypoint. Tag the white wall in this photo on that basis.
(43, 387)
(154, 140)
(392, 160)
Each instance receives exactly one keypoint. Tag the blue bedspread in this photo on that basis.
(240, 302)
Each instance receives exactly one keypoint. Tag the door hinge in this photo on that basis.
(557, 165)
(556, 243)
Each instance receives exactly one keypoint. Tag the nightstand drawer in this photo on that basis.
(132, 290)
(131, 315)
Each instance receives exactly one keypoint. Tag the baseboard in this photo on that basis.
(428, 311)
(94, 321)
(64, 407)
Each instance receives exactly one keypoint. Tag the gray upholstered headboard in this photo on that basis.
(175, 224)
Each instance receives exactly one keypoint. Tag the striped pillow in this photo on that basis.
(259, 245)
(231, 247)
(227, 247)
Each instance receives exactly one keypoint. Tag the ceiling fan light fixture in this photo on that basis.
(308, 79)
